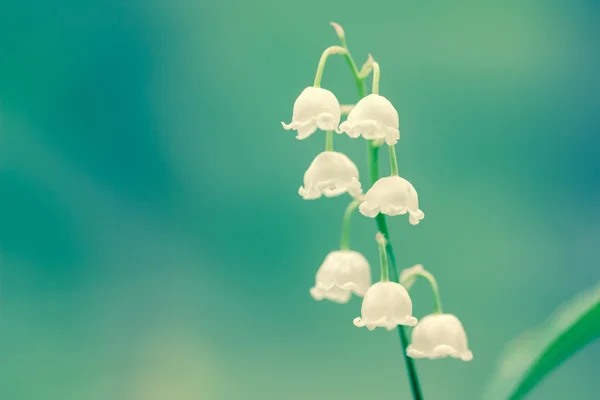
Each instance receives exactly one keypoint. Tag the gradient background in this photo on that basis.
(153, 243)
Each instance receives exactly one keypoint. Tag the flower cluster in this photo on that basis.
(344, 272)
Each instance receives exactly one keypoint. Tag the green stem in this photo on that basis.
(345, 239)
(360, 84)
(329, 141)
(413, 377)
(321, 67)
(376, 74)
(432, 283)
(383, 260)
(393, 161)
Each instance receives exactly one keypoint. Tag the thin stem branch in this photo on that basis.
(321, 67)
(329, 141)
(432, 283)
(345, 239)
(376, 74)
(393, 161)
(383, 260)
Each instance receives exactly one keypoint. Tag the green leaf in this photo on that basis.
(534, 354)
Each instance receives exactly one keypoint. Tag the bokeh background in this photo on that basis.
(153, 244)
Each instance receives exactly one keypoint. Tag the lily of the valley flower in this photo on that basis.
(438, 336)
(386, 305)
(314, 108)
(373, 117)
(330, 174)
(342, 273)
(392, 195)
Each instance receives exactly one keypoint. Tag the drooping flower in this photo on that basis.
(342, 273)
(314, 108)
(330, 174)
(373, 117)
(392, 195)
(438, 336)
(386, 305)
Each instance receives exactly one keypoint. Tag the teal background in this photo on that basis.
(153, 244)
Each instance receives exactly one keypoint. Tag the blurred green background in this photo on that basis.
(153, 244)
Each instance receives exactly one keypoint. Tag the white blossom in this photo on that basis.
(330, 174)
(373, 117)
(437, 336)
(392, 195)
(342, 273)
(386, 304)
(314, 108)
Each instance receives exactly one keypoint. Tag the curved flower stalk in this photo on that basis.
(386, 304)
(330, 174)
(408, 276)
(342, 273)
(316, 107)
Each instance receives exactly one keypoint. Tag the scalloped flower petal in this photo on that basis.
(392, 195)
(438, 336)
(330, 174)
(314, 108)
(386, 305)
(373, 118)
(342, 273)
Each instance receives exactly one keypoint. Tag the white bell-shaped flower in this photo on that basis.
(330, 174)
(373, 117)
(386, 304)
(342, 273)
(392, 195)
(437, 336)
(314, 108)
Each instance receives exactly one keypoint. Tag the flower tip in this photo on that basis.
(307, 194)
(415, 218)
(468, 356)
(339, 31)
(413, 353)
(315, 294)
